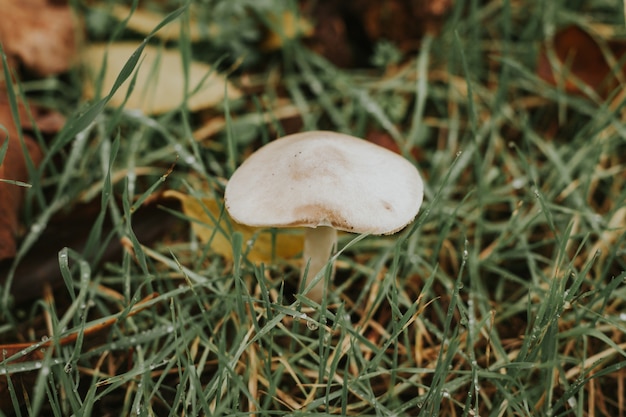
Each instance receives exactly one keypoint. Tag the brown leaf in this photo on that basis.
(402, 22)
(346, 31)
(41, 34)
(14, 168)
(331, 38)
(580, 61)
(385, 140)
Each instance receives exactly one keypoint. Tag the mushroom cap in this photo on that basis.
(324, 178)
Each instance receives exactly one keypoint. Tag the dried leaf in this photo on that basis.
(580, 61)
(144, 21)
(160, 81)
(331, 38)
(13, 168)
(385, 140)
(402, 22)
(211, 225)
(285, 27)
(41, 34)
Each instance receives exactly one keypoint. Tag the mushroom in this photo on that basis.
(324, 181)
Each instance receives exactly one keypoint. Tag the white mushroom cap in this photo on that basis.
(324, 178)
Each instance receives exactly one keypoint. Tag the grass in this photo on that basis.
(504, 298)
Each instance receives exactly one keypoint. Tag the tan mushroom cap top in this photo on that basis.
(325, 179)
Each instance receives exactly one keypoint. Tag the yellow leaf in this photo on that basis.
(285, 26)
(210, 227)
(160, 81)
(144, 21)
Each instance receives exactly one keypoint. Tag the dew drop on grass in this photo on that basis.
(572, 402)
(67, 368)
(312, 325)
(518, 183)
(465, 250)
(35, 228)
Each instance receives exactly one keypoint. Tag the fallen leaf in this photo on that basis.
(580, 61)
(385, 140)
(346, 32)
(402, 22)
(285, 27)
(13, 169)
(211, 224)
(331, 38)
(144, 21)
(160, 81)
(40, 34)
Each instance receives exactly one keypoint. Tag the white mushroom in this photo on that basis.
(324, 181)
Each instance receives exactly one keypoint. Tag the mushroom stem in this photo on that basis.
(318, 246)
